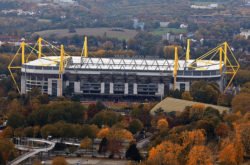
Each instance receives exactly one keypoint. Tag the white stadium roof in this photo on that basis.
(76, 62)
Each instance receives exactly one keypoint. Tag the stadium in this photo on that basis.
(114, 78)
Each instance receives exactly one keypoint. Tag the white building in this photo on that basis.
(245, 33)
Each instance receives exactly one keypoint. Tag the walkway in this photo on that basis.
(33, 151)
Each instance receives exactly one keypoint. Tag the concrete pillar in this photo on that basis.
(59, 88)
(111, 88)
(102, 88)
(160, 91)
(77, 87)
(126, 88)
(135, 89)
(23, 85)
(67, 83)
(49, 86)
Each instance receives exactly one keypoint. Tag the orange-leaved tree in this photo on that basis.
(166, 153)
(200, 155)
(191, 138)
(162, 124)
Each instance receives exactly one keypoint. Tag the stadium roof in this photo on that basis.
(76, 62)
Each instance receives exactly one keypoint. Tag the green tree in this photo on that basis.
(16, 120)
(206, 92)
(135, 126)
(106, 118)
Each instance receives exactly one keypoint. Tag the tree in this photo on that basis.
(162, 124)
(103, 132)
(186, 96)
(6, 149)
(143, 114)
(166, 153)
(133, 153)
(106, 118)
(228, 155)
(135, 126)
(222, 130)
(7, 132)
(245, 137)
(191, 138)
(59, 161)
(206, 92)
(120, 135)
(103, 147)
(200, 155)
(241, 103)
(86, 143)
(16, 120)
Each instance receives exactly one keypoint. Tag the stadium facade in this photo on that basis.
(90, 77)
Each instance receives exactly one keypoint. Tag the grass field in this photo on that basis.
(109, 32)
(171, 104)
(161, 31)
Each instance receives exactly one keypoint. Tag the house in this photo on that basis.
(209, 6)
(138, 25)
(245, 33)
(164, 24)
(184, 26)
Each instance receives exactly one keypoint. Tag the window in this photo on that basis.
(182, 87)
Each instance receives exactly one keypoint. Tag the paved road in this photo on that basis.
(142, 143)
(92, 161)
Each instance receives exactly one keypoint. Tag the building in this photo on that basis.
(245, 33)
(138, 25)
(164, 24)
(205, 6)
(124, 78)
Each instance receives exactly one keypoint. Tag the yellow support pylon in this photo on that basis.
(39, 47)
(23, 52)
(176, 65)
(61, 70)
(225, 53)
(221, 53)
(188, 50)
(85, 47)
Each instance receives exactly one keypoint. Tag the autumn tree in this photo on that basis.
(228, 155)
(103, 132)
(162, 124)
(59, 161)
(166, 153)
(245, 136)
(7, 132)
(86, 143)
(6, 149)
(200, 155)
(186, 96)
(241, 103)
(192, 138)
(222, 130)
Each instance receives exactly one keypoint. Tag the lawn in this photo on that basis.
(171, 104)
(119, 33)
(161, 31)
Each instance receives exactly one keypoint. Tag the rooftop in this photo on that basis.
(76, 62)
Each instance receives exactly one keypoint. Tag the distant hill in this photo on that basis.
(171, 104)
